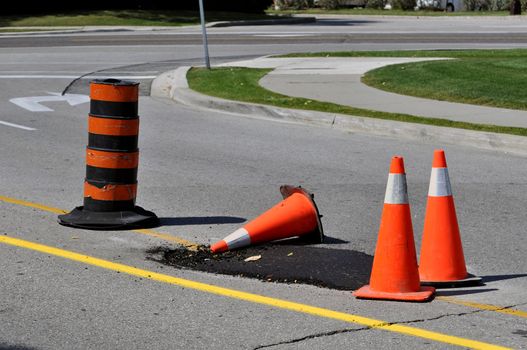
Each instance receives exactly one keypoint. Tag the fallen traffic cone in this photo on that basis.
(442, 262)
(296, 215)
(394, 274)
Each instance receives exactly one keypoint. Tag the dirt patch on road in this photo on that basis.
(283, 263)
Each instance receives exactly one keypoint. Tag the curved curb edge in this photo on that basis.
(173, 85)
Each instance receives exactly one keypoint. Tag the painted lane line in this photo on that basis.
(181, 241)
(281, 35)
(487, 307)
(249, 297)
(194, 246)
(31, 205)
(33, 103)
(124, 77)
(13, 125)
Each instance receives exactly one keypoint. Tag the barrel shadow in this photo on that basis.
(200, 220)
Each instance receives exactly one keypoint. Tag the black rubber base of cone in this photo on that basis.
(470, 281)
(317, 235)
(115, 220)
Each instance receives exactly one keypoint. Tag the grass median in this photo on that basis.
(494, 78)
(123, 18)
(241, 84)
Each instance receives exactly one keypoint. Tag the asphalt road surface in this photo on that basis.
(206, 173)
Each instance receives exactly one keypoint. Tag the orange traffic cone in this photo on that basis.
(442, 262)
(296, 215)
(394, 274)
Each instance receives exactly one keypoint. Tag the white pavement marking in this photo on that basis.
(281, 35)
(18, 126)
(76, 76)
(32, 103)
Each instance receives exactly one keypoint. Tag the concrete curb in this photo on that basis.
(263, 22)
(173, 85)
(416, 17)
(109, 29)
(77, 30)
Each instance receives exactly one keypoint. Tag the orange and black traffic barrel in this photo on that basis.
(112, 159)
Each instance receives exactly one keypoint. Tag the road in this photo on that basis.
(206, 173)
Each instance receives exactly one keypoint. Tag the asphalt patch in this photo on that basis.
(279, 262)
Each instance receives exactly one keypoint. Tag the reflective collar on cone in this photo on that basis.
(237, 239)
(396, 190)
(439, 183)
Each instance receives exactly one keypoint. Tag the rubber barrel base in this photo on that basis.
(115, 220)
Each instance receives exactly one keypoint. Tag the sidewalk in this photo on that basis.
(337, 80)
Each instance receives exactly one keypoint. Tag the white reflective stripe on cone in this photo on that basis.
(237, 239)
(439, 183)
(396, 190)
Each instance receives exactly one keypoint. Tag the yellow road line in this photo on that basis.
(32, 205)
(488, 307)
(188, 244)
(253, 298)
(194, 246)
(181, 241)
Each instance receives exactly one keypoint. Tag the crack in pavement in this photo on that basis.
(312, 336)
(383, 324)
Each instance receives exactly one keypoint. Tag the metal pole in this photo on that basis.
(204, 31)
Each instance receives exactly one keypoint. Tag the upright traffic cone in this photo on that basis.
(394, 274)
(442, 262)
(296, 215)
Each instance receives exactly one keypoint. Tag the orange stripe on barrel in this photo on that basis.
(112, 160)
(113, 127)
(114, 93)
(110, 192)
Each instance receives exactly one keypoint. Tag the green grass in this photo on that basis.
(494, 78)
(242, 84)
(123, 18)
(394, 12)
(11, 30)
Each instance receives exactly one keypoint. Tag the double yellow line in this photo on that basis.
(181, 241)
(249, 297)
(253, 298)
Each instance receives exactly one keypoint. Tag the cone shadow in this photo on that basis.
(448, 293)
(493, 278)
(200, 220)
(323, 267)
(304, 240)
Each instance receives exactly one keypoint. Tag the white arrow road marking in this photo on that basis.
(17, 126)
(32, 104)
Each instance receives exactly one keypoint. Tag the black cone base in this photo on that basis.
(114, 220)
(470, 281)
(317, 236)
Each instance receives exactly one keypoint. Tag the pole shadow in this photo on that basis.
(4, 346)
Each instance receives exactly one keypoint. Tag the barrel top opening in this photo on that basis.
(115, 82)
